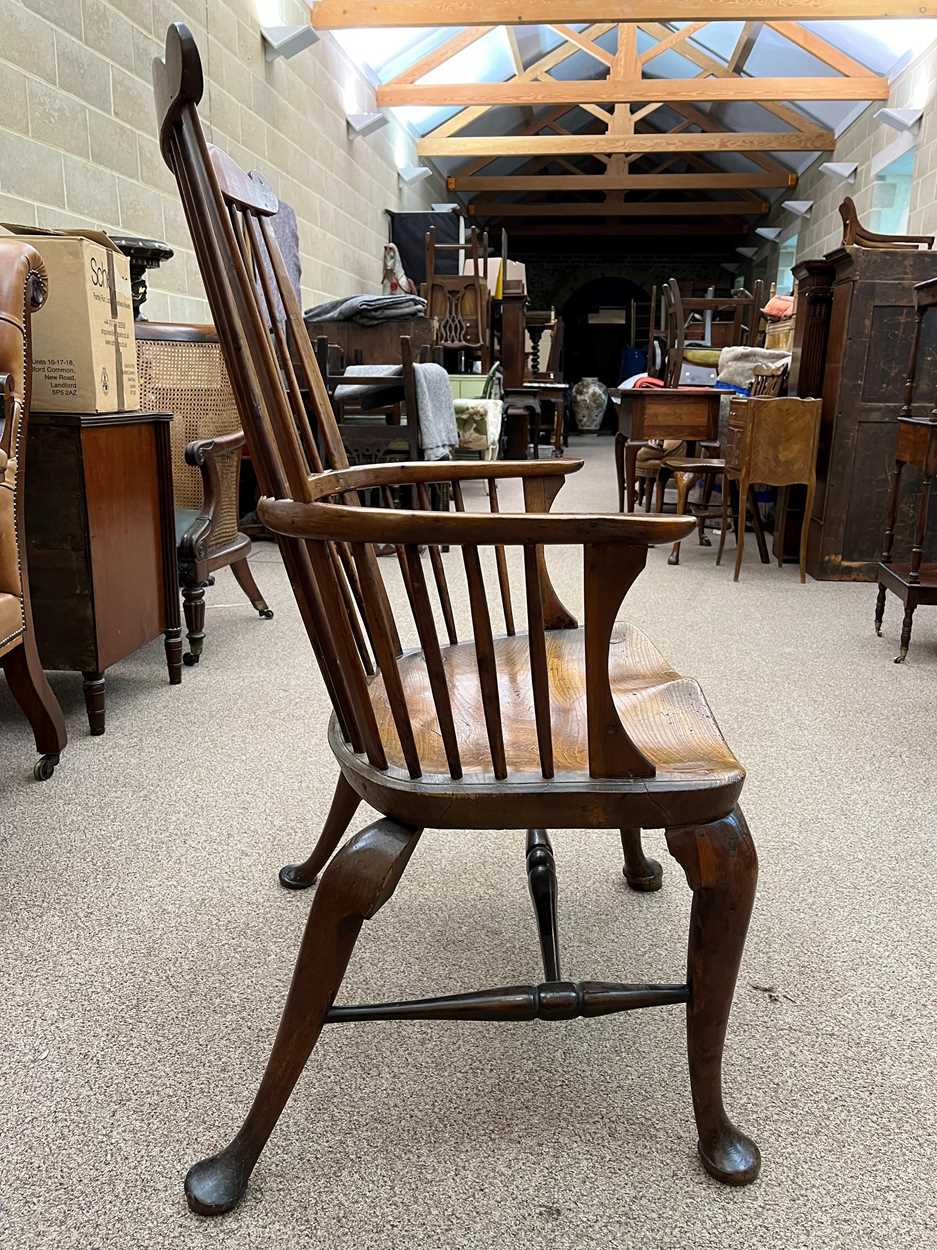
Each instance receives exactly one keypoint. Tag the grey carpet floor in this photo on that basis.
(147, 948)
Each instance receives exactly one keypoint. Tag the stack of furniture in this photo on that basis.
(913, 582)
(182, 371)
(563, 727)
(852, 337)
(460, 303)
(742, 313)
(22, 292)
(536, 403)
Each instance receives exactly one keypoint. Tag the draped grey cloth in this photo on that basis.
(435, 410)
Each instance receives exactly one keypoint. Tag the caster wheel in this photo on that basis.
(189, 659)
(211, 581)
(673, 560)
(705, 542)
(266, 614)
(44, 768)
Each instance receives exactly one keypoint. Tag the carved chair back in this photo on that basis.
(459, 302)
(856, 235)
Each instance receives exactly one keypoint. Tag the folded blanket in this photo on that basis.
(435, 413)
(368, 310)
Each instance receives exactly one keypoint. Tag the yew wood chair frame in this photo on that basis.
(23, 291)
(211, 540)
(400, 742)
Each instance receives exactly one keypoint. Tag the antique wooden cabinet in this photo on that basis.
(852, 343)
(101, 543)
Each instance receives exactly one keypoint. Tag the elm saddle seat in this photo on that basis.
(558, 727)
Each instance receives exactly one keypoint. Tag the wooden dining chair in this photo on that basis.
(558, 727)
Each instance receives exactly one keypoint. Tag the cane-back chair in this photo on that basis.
(182, 371)
(23, 289)
(561, 727)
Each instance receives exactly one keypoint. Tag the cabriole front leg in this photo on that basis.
(721, 867)
(359, 880)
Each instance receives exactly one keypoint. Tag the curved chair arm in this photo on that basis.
(318, 518)
(204, 454)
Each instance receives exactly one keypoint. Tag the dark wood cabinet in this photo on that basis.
(101, 543)
(852, 343)
(373, 345)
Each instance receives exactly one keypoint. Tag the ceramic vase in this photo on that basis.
(589, 399)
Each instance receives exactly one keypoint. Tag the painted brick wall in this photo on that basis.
(78, 134)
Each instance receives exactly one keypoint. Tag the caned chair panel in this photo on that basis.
(188, 378)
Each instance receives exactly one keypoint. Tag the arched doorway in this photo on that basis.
(597, 350)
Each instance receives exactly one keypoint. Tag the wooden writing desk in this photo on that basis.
(101, 543)
(659, 412)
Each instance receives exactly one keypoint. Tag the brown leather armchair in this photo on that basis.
(23, 289)
(182, 372)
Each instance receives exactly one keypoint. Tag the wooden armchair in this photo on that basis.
(23, 289)
(561, 727)
(856, 235)
(460, 303)
(182, 371)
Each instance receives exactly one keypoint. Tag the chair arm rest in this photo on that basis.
(330, 521)
(204, 454)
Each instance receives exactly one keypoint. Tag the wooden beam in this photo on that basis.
(819, 48)
(445, 52)
(625, 182)
(622, 91)
(533, 71)
(589, 145)
(744, 46)
(739, 229)
(710, 65)
(581, 40)
(348, 14)
(671, 41)
(626, 208)
(711, 126)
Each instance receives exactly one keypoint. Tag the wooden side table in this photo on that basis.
(770, 442)
(660, 412)
(101, 543)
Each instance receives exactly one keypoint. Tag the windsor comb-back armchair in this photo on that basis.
(582, 727)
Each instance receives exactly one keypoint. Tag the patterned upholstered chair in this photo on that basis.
(22, 292)
(182, 372)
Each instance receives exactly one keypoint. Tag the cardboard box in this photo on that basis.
(84, 350)
(492, 272)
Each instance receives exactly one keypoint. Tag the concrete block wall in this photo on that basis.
(78, 135)
(914, 87)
